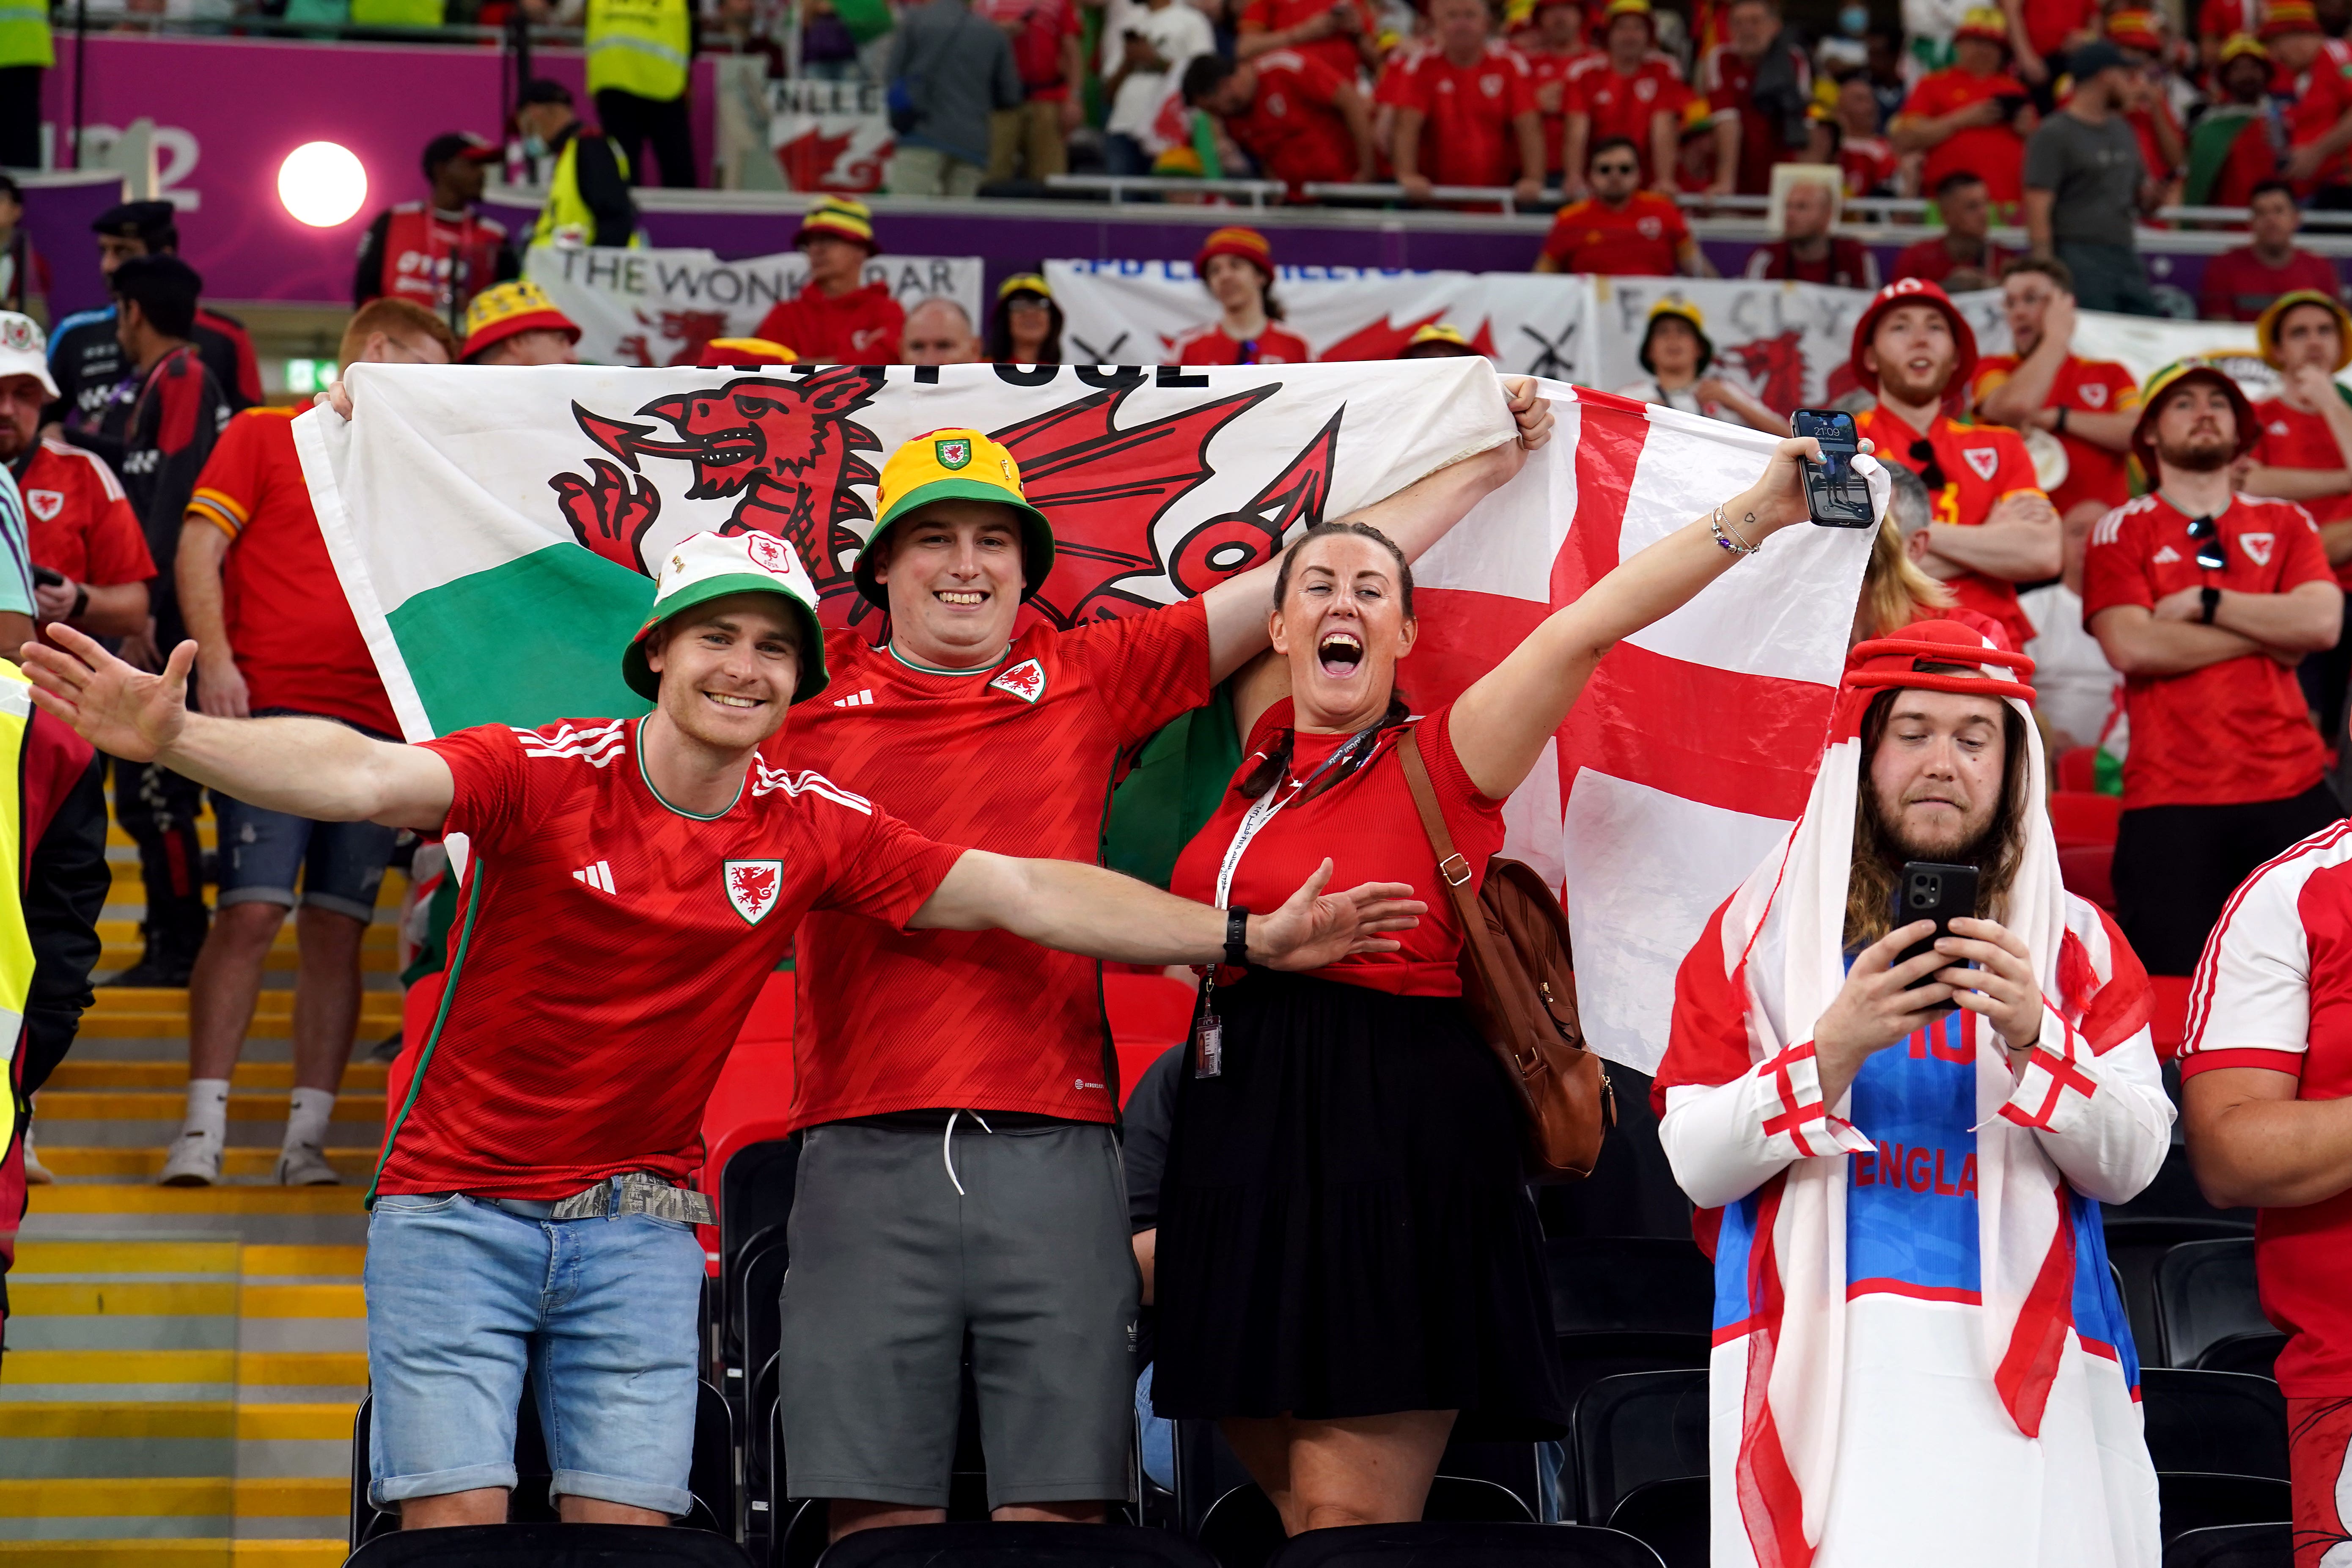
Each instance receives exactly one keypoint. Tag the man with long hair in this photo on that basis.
(2207, 600)
(1899, 1143)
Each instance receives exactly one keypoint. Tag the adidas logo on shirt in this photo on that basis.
(599, 876)
(855, 699)
(2166, 556)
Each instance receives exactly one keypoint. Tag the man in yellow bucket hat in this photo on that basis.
(633, 883)
(2305, 445)
(516, 323)
(961, 1083)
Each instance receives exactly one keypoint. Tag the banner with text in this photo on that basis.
(829, 135)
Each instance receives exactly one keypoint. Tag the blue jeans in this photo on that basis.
(261, 852)
(463, 1296)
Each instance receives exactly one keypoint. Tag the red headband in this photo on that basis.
(1892, 663)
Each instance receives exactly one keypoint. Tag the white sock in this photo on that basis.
(207, 1110)
(306, 1121)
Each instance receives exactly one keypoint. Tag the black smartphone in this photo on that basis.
(48, 577)
(2010, 102)
(1836, 494)
(1929, 890)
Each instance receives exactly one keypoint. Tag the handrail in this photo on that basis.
(2236, 216)
(1337, 194)
(1116, 186)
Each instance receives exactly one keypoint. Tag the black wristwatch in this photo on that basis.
(2062, 422)
(1237, 937)
(2210, 598)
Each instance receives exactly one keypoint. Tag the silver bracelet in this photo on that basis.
(1727, 538)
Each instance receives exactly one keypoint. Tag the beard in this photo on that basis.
(1979, 846)
(1896, 379)
(2198, 454)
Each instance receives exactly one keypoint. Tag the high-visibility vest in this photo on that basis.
(638, 46)
(565, 219)
(396, 13)
(25, 34)
(15, 942)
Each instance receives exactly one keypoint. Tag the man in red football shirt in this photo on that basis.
(1007, 736)
(1341, 35)
(79, 521)
(1972, 115)
(1296, 119)
(1556, 43)
(2091, 405)
(1031, 140)
(2303, 452)
(1961, 258)
(275, 636)
(1236, 266)
(1847, 135)
(1466, 109)
(1633, 91)
(837, 318)
(631, 884)
(2241, 284)
(2313, 75)
(2265, 1089)
(1621, 229)
(2207, 600)
(1993, 527)
(1807, 252)
(1760, 76)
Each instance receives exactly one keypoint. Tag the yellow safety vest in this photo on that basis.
(565, 219)
(638, 46)
(396, 13)
(15, 942)
(25, 34)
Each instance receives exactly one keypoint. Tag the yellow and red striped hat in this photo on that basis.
(2135, 30)
(1245, 243)
(2287, 16)
(838, 217)
(2243, 45)
(499, 313)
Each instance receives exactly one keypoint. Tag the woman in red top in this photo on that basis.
(1236, 266)
(1348, 1259)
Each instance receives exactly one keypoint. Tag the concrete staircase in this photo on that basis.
(182, 1364)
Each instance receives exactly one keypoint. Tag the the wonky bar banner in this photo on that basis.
(491, 527)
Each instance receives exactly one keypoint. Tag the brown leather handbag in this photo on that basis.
(1518, 980)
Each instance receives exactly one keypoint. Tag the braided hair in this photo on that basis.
(1275, 760)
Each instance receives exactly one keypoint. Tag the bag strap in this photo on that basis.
(1451, 868)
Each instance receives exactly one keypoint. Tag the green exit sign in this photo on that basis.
(310, 375)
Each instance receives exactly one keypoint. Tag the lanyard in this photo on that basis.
(1262, 810)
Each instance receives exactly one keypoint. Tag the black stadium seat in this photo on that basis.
(1586, 1359)
(1618, 1284)
(2233, 1546)
(2205, 1292)
(550, 1546)
(2136, 1245)
(1670, 1518)
(755, 1195)
(1634, 1429)
(1464, 1546)
(2187, 1502)
(1014, 1546)
(2254, 1354)
(2213, 1422)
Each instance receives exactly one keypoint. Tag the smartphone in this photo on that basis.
(48, 577)
(2010, 102)
(1929, 890)
(1836, 494)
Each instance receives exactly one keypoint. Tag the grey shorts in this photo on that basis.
(892, 1268)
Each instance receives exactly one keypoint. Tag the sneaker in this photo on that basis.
(305, 1165)
(194, 1162)
(151, 972)
(36, 1173)
(386, 1049)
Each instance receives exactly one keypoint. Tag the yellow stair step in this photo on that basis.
(140, 1199)
(178, 1553)
(148, 1418)
(183, 1298)
(97, 1074)
(315, 1260)
(36, 1256)
(309, 1368)
(125, 932)
(152, 1105)
(121, 1001)
(213, 1497)
(146, 1165)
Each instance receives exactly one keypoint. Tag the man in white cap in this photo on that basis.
(632, 883)
(79, 523)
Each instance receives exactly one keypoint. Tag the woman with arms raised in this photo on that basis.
(1348, 1259)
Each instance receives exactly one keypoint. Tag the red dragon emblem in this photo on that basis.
(751, 886)
(1775, 368)
(790, 450)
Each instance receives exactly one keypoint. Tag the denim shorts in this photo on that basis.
(341, 864)
(462, 1296)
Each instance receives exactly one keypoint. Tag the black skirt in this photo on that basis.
(1344, 1226)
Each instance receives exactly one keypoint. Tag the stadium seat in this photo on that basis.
(1014, 1546)
(755, 1197)
(1587, 1358)
(2088, 871)
(2256, 1354)
(1615, 1284)
(2174, 1195)
(1634, 1429)
(2134, 1246)
(2082, 816)
(550, 1546)
(2205, 1292)
(2213, 1422)
(1427, 1545)
(2077, 770)
(2188, 1502)
(1669, 1517)
(2233, 1546)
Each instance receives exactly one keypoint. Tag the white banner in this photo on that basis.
(642, 307)
(829, 135)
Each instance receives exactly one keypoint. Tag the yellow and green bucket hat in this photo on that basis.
(954, 465)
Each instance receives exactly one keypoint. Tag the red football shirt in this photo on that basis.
(1211, 345)
(1368, 827)
(1622, 105)
(1728, 80)
(607, 948)
(1549, 73)
(2231, 733)
(2274, 991)
(861, 327)
(2292, 438)
(1467, 136)
(1336, 53)
(1981, 466)
(2089, 386)
(1017, 758)
(1995, 152)
(78, 520)
(1869, 164)
(2316, 101)
(1636, 240)
(1847, 264)
(1038, 28)
(2049, 22)
(296, 641)
(2239, 285)
(1292, 130)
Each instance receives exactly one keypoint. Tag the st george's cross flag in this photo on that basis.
(492, 528)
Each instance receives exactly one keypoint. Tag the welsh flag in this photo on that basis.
(493, 527)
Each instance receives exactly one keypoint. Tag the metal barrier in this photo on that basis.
(1259, 193)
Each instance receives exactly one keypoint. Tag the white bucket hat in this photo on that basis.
(24, 349)
(706, 566)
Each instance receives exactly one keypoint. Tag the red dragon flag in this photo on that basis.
(492, 534)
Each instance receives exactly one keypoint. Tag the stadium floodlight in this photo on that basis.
(322, 184)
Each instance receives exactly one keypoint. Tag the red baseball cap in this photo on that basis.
(1912, 292)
